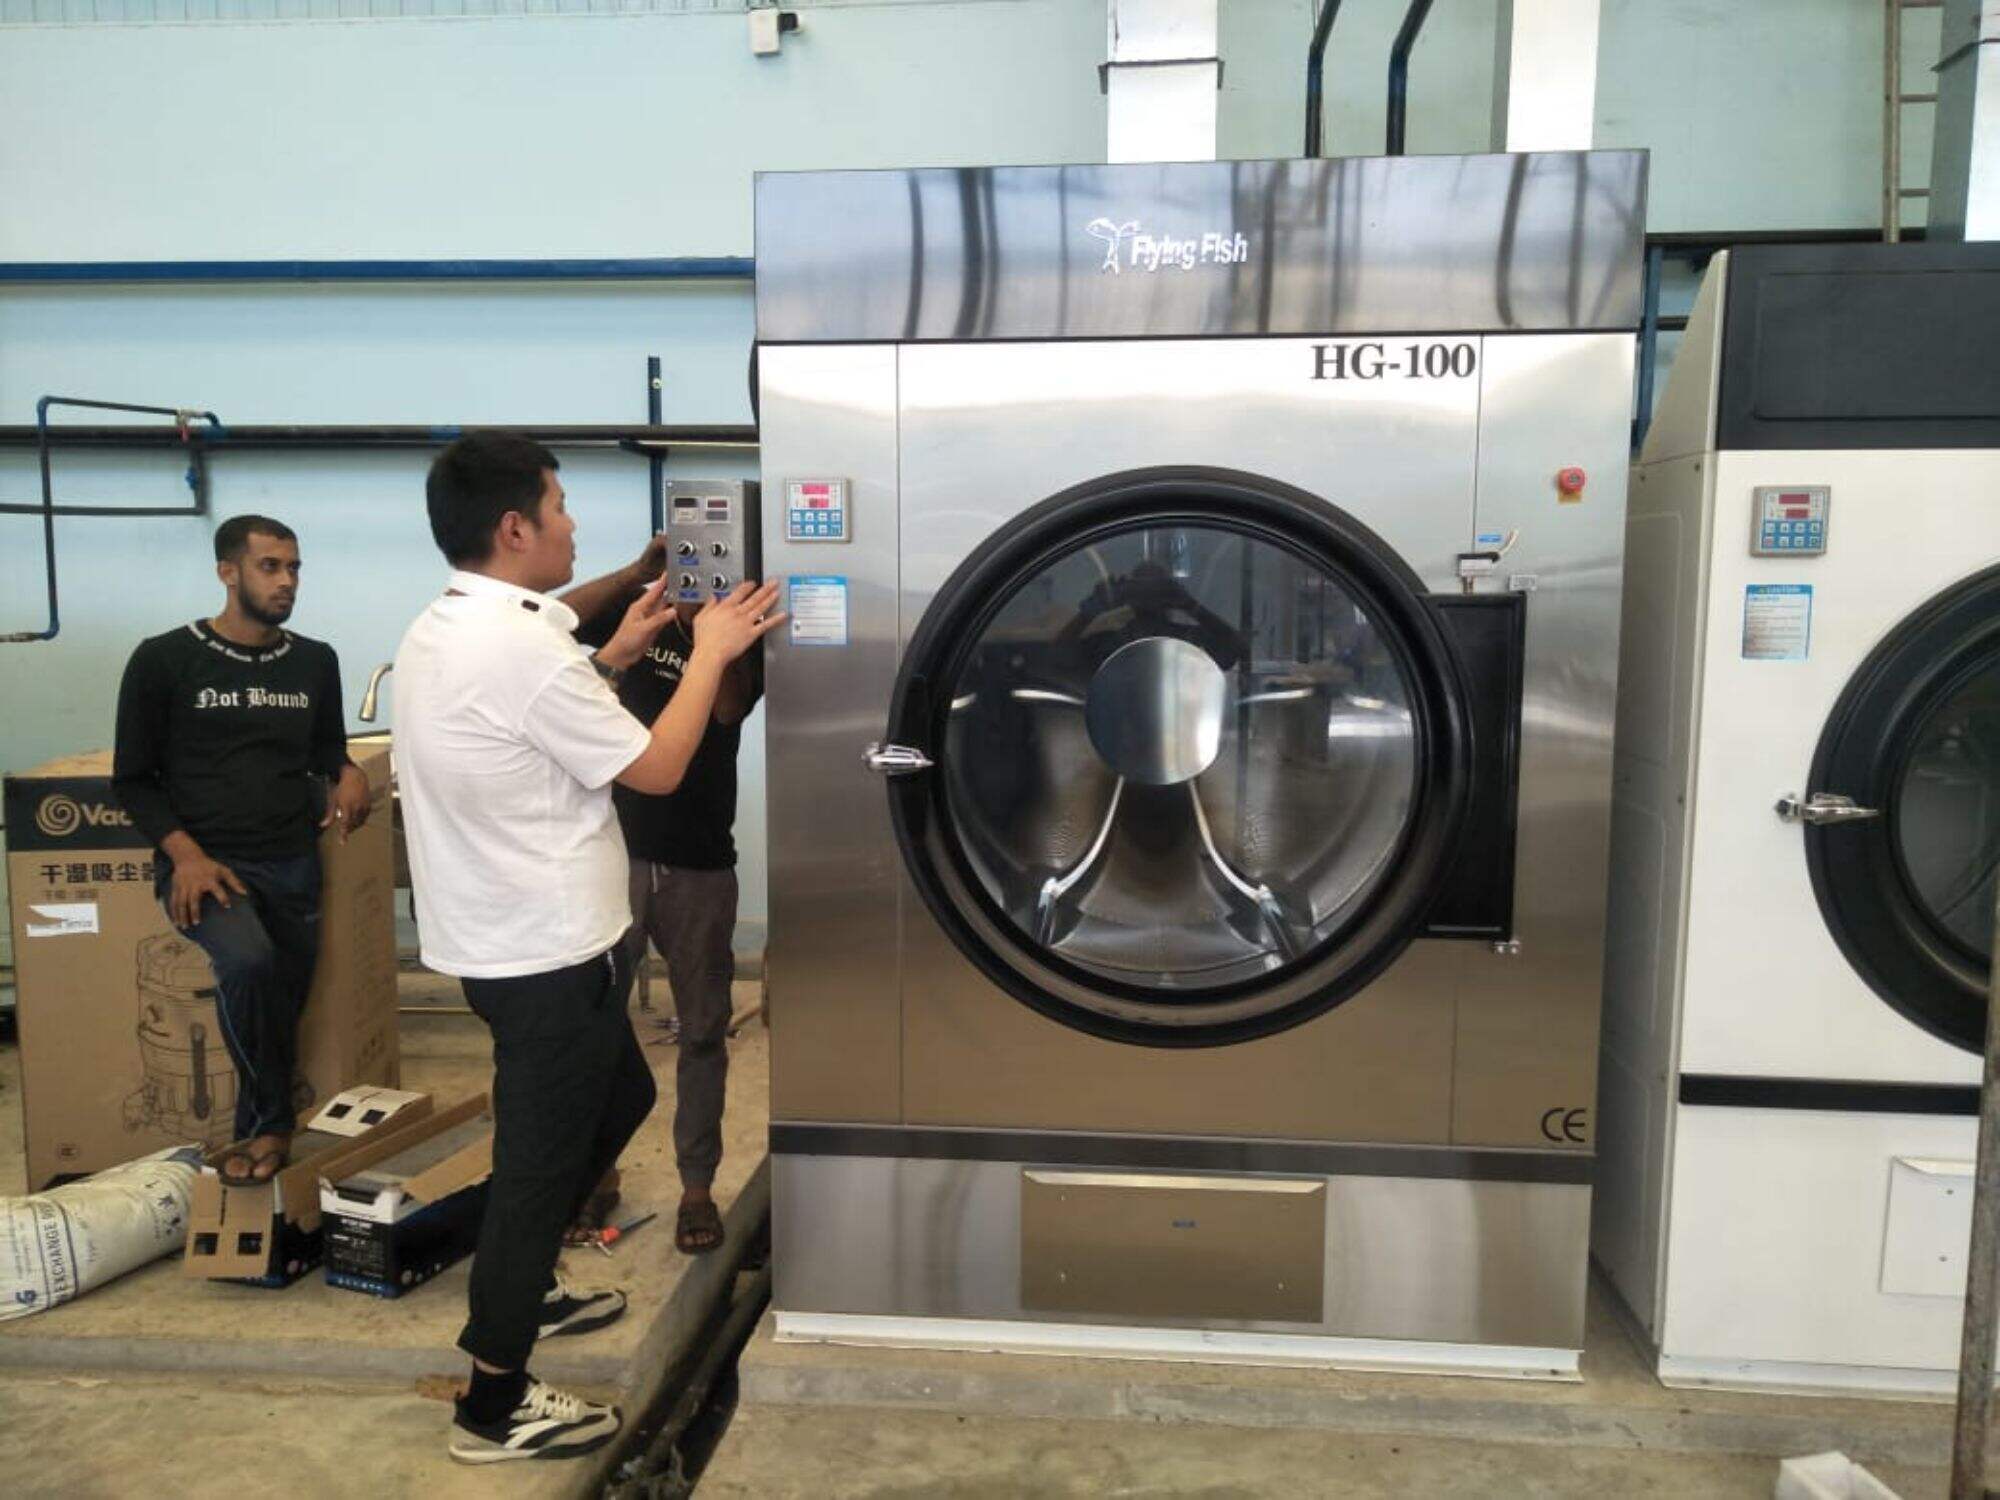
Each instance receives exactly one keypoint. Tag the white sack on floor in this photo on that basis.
(62, 1243)
(1828, 1476)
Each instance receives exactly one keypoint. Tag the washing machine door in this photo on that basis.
(1902, 819)
(1185, 757)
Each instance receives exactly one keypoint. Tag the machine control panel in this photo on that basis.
(816, 510)
(713, 528)
(1789, 520)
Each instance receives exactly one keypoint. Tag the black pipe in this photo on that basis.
(287, 435)
(656, 460)
(1316, 72)
(1399, 71)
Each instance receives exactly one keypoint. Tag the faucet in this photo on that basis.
(375, 677)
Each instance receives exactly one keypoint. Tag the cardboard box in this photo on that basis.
(356, 1111)
(270, 1233)
(401, 1210)
(121, 1049)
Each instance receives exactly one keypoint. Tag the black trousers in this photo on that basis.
(570, 1087)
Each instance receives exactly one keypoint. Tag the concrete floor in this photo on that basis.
(158, 1384)
(774, 1453)
(821, 1419)
(100, 1396)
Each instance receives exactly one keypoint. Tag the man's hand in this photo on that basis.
(651, 563)
(350, 802)
(728, 627)
(643, 622)
(196, 876)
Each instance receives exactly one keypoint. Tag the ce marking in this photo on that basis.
(1565, 1125)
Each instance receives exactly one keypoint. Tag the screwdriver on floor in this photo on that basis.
(611, 1234)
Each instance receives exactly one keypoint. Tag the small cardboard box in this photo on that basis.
(121, 1048)
(408, 1205)
(355, 1112)
(269, 1233)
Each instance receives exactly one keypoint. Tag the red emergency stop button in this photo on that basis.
(1569, 484)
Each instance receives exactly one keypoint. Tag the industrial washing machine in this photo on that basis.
(1190, 749)
(1808, 822)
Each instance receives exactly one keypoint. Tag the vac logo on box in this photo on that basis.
(67, 813)
(1127, 246)
(59, 816)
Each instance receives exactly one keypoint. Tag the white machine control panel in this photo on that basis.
(713, 536)
(816, 510)
(1789, 520)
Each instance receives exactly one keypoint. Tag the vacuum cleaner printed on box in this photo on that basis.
(122, 1050)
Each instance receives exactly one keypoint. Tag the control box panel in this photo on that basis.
(816, 510)
(1789, 520)
(714, 533)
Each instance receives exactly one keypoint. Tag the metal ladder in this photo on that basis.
(1894, 99)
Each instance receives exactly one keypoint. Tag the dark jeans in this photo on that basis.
(691, 917)
(263, 947)
(570, 1087)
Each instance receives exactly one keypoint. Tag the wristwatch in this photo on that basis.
(605, 670)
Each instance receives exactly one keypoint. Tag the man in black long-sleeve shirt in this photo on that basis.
(222, 724)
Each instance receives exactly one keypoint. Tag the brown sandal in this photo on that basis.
(697, 1228)
(252, 1163)
(595, 1213)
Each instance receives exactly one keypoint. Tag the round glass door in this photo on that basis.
(1947, 811)
(1179, 756)
(1916, 736)
(1185, 753)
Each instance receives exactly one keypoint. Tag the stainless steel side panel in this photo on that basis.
(1526, 1052)
(836, 880)
(1406, 1258)
(1402, 244)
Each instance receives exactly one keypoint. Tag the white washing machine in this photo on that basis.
(1807, 822)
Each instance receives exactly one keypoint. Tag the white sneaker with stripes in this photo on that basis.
(547, 1424)
(567, 1310)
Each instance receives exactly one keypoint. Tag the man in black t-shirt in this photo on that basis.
(684, 880)
(222, 726)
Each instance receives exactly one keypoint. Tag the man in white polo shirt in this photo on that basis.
(508, 740)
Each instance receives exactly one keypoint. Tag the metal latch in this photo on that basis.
(1473, 566)
(1823, 808)
(895, 760)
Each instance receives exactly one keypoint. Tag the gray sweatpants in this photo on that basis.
(690, 915)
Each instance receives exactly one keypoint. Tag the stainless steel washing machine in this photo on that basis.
(1190, 750)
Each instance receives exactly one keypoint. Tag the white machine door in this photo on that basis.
(1185, 757)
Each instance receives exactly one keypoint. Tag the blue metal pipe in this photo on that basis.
(197, 478)
(23, 637)
(1649, 344)
(1316, 73)
(671, 268)
(1399, 71)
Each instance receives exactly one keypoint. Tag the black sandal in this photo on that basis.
(697, 1228)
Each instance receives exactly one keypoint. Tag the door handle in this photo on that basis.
(1823, 808)
(895, 760)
